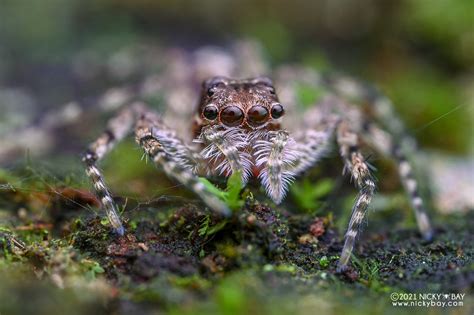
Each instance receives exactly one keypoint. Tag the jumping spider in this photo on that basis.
(237, 129)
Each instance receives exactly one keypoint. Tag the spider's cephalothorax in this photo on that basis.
(237, 129)
(238, 123)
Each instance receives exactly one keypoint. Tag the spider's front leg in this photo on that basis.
(395, 143)
(285, 158)
(354, 161)
(177, 160)
(117, 128)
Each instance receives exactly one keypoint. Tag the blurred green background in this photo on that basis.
(421, 53)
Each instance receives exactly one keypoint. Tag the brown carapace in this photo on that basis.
(247, 103)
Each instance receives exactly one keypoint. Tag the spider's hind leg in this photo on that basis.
(360, 172)
(396, 143)
(117, 128)
(388, 145)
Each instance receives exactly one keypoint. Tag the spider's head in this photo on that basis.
(249, 103)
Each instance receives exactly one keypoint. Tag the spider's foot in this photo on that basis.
(428, 235)
(341, 268)
(120, 231)
(425, 227)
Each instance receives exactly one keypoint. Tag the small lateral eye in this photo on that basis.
(210, 112)
(214, 83)
(257, 115)
(232, 116)
(277, 111)
(263, 80)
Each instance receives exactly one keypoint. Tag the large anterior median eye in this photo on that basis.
(210, 112)
(277, 111)
(257, 115)
(232, 116)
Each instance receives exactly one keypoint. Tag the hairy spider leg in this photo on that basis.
(383, 108)
(177, 160)
(117, 128)
(387, 145)
(402, 144)
(313, 145)
(360, 172)
(160, 143)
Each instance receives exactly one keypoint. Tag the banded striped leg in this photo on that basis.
(167, 151)
(117, 128)
(360, 172)
(386, 144)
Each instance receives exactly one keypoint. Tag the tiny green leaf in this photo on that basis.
(231, 196)
(307, 194)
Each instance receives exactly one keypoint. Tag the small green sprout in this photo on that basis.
(307, 194)
(92, 268)
(324, 262)
(207, 230)
(231, 196)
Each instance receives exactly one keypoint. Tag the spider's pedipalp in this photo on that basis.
(167, 151)
(275, 156)
(226, 148)
(360, 173)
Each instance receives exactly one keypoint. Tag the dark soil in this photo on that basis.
(185, 259)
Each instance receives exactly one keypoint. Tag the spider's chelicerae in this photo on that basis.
(237, 128)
